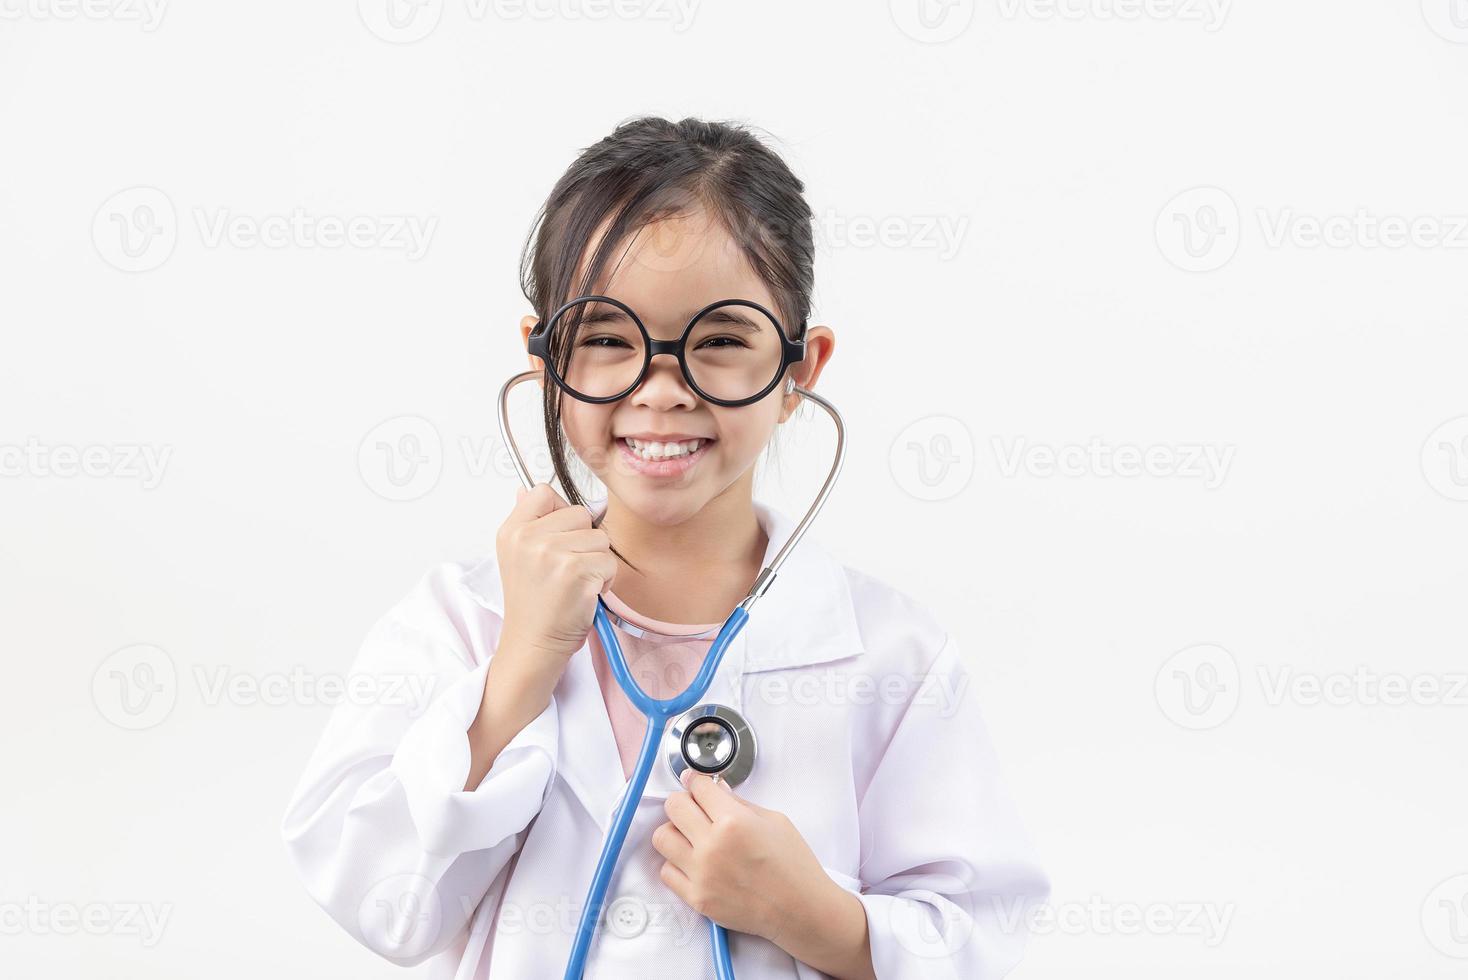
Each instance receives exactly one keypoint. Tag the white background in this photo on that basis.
(1009, 270)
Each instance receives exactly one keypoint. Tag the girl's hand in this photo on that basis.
(553, 564)
(749, 870)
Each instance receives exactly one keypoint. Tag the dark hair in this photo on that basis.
(650, 169)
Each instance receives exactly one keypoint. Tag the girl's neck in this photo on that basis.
(693, 572)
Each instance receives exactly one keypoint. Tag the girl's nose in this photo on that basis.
(664, 387)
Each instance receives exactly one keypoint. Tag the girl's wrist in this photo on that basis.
(511, 699)
(516, 690)
(827, 930)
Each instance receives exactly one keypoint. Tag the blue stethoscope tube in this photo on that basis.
(659, 712)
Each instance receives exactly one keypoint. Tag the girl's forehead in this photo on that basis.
(672, 262)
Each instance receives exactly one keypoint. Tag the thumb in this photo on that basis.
(715, 793)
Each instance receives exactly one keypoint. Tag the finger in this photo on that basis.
(669, 841)
(688, 817)
(680, 884)
(591, 539)
(713, 796)
(564, 519)
(538, 501)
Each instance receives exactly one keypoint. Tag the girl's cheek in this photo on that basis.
(590, 437)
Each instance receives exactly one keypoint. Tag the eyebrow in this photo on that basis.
(733, 317)
(736, 317)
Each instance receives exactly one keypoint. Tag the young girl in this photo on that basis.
(872, 838)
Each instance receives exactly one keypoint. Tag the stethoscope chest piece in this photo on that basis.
(713, 739)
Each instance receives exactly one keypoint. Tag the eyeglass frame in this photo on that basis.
(791, 351)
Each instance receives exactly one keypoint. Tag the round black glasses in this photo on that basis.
(732, 352)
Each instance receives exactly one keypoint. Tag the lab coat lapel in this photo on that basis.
(807, 616)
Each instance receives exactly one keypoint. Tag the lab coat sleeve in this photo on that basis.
(948, 876)
(380, 827)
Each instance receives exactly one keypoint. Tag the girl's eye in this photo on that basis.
(610, 342)
(732, 341)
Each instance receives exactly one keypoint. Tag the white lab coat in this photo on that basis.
(869, 739)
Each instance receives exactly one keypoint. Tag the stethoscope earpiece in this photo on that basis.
(713, 739)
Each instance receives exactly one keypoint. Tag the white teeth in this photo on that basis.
(663, 450)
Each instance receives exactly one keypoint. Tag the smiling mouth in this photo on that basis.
(662, 460)
(657, 452)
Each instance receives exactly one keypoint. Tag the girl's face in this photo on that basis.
(672, 269)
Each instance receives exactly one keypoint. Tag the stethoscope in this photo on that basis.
(707, 738)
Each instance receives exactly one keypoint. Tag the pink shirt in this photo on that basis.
(662, 667)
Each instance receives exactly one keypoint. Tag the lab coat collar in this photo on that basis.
(806, 617)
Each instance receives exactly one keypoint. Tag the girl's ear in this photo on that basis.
(527, 324)
(820, 344)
